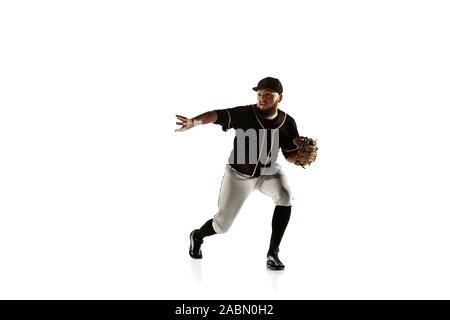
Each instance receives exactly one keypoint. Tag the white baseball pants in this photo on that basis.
(236, 187)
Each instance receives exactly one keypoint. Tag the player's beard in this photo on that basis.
(267, 113)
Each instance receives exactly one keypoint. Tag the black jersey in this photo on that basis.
(258, 140)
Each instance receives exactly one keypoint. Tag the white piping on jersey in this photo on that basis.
(290, 150)
(271, 147)
(270, 152)
(260, 152)
(229, 118)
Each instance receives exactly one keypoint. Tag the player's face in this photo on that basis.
(267, 99)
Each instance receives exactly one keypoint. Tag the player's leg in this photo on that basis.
(280, 220)
(234, 190)
(277, 187)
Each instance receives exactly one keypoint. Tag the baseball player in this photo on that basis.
(261, 130)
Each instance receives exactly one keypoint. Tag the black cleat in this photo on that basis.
(273, 262)
(195, 250)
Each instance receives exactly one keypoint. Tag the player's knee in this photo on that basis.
(221, 226)
(285, 198)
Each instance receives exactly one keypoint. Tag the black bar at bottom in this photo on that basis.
(225, 309)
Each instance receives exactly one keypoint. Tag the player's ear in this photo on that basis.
(280, 97)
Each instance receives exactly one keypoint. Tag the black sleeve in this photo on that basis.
(229, 118)
(289, 133)
(223, 119)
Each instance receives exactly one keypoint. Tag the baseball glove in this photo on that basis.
(307, 151)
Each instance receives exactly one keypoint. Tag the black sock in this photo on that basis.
(206, 230)
(280, 221)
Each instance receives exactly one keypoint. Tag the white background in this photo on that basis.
(98, 194)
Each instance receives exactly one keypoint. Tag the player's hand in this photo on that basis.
(185, 123)
(306, 152)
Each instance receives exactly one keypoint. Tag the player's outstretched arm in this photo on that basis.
(203, 118)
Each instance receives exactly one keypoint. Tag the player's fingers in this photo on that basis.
(181, 117)
(180, 123)
(180, 129)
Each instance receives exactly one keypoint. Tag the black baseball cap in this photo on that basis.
(271, 84)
